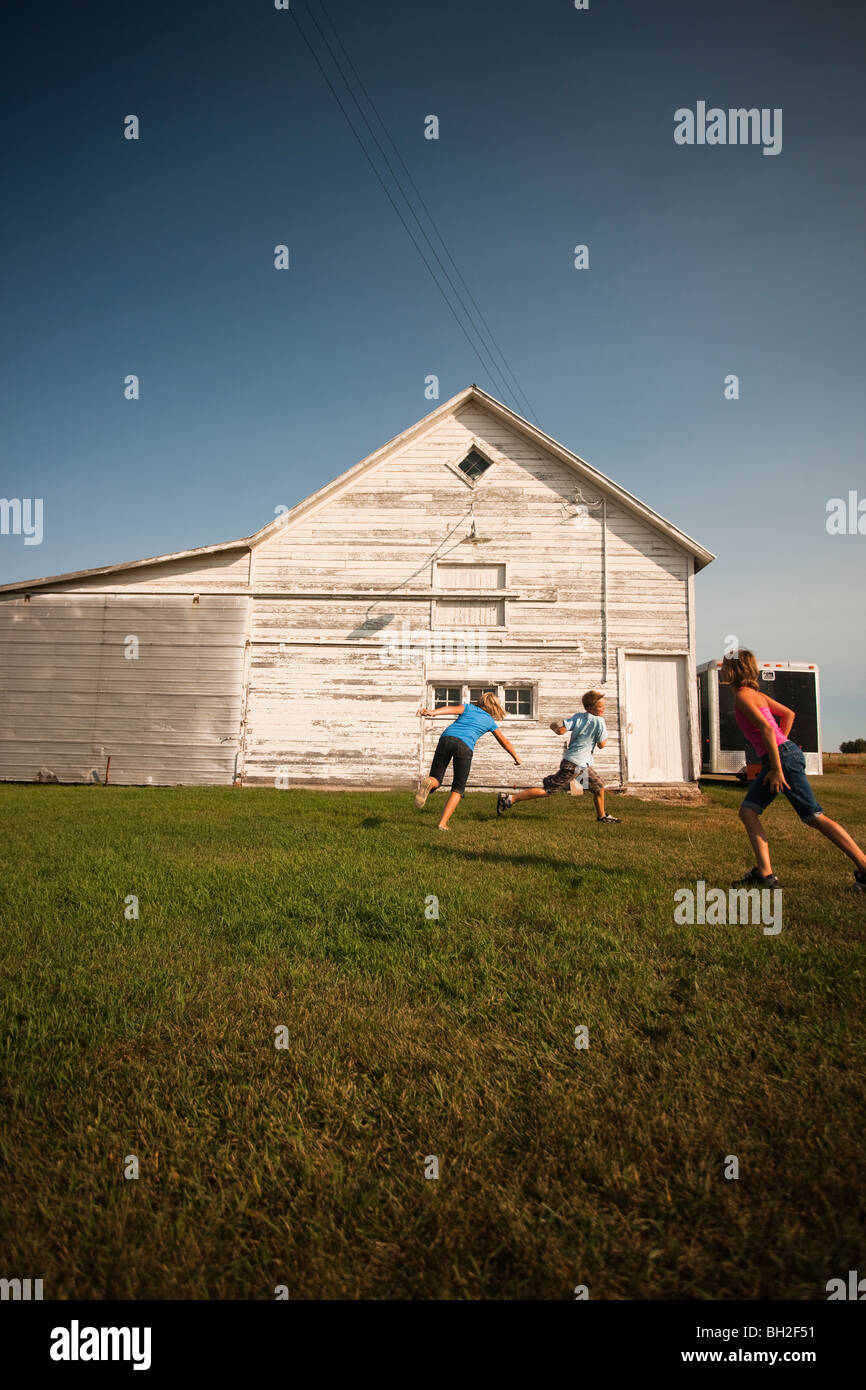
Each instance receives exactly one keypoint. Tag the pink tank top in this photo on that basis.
(754, 734)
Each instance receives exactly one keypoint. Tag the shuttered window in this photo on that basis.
(470, 576)
(470, 612)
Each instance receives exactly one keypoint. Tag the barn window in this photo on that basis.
(474, 465)
(517, 699)
(470, 612)
(463, 576)
(447, 695)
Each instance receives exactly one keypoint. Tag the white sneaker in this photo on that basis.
(422, 795)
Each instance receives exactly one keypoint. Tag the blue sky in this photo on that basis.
(556, 128)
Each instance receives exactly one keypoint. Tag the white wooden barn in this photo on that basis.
(472, 552)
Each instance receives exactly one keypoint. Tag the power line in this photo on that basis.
(517, 387)
(488, 368)
(404, 194)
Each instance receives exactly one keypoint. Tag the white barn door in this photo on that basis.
(657, 718)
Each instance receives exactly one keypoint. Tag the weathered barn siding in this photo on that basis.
(69, 697)
(225, 572)
(323, 716)
(300, 655)
(333, 684)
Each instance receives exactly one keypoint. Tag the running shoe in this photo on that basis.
(754, 879)
(422, 795)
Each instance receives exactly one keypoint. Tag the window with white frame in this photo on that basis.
(518, 701)
(474, 465)
(468, 611)
(465, 576)
(447, 695)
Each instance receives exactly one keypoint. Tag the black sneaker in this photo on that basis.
(608, 820)
(859, 884)
(754, 879)
(503, 803)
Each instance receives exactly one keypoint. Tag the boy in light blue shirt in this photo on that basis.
(588, 731)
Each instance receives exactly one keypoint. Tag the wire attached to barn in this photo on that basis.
(489, 366)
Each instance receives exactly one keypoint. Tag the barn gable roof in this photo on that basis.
(23, 585)
(471, 395)
(475, 394)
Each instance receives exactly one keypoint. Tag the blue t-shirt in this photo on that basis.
(586, 731)
(470, 725)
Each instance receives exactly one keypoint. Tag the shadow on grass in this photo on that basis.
(484, 856)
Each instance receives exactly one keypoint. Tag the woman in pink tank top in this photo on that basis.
(766, 725)
(754, 733)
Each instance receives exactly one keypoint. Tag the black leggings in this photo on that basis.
(447, 748)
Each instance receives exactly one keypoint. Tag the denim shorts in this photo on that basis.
(798, 791)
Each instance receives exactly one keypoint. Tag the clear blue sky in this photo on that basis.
(556, 128)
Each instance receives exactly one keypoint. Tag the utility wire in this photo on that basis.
(489, 368)
(517, 387)
(409, 232)
(428, 559)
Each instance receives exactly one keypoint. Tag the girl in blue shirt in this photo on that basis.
(457, 744)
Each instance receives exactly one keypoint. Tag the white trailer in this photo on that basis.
(792, 683)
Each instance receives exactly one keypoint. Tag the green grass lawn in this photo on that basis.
(410, 1036)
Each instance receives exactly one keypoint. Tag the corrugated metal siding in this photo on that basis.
(69, 697)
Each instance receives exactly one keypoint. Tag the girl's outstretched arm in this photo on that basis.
(784, 716)
(453, 710)
(500, 738)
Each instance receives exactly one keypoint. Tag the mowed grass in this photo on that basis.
(410, 1036)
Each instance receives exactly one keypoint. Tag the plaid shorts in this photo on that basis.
(561, 781)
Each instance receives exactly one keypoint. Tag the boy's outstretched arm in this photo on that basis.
(558, 727)
(500, 738)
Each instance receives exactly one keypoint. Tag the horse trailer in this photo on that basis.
(792, 683)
